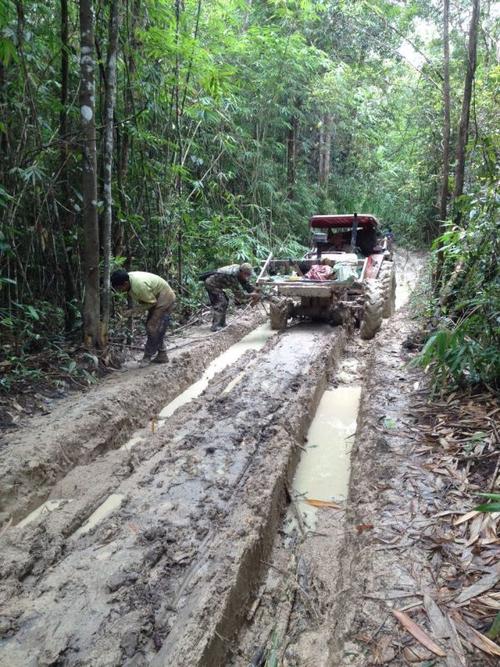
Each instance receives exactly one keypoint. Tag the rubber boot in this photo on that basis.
(218, 321)
(161, 358)
(145, 361)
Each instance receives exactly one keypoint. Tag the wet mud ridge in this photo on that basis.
(39, 454)
(150, 552)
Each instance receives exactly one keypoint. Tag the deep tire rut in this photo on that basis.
(162, 576)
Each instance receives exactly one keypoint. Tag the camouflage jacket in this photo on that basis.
(227, 277)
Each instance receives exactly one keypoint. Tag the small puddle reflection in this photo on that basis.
(324, 467)
(112, 503)
(255, 340)
(45, 508)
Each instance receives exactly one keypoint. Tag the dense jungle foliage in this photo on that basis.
(176, 135)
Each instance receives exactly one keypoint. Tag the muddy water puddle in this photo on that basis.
(112, 503)
(323, 471)
(44, 509)
(255, 340)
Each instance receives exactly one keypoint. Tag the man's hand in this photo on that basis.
(254, 298)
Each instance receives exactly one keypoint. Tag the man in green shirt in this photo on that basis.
(152, 293)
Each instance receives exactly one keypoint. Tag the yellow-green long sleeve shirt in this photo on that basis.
(145, 288)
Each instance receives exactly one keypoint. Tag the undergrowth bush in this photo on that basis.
(464, 348)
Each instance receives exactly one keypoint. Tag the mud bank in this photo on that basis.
(392, 570)
(164, 576)
(37, 455)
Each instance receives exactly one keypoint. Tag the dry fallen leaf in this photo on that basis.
(418, 633)
(361, 527)
(484, 584)
(436, 617)
(323, 503)
(383, 653)
(416, 654)
(466, 517)
(474, 637)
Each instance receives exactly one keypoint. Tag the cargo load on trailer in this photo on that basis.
(347, 276)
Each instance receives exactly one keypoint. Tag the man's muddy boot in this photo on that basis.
(161, 358)
(218, 321)
(145, 361)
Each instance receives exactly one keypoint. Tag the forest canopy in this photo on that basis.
(173, 136)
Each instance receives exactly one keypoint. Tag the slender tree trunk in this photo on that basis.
(446, 108)
(63, 215)
(91, 301)
(120, 243)
(325, 147)
(109, 111)
(293, 132)
(4, 137)
(178, 120)
(443, 195)
(464, 118)
(321, 152)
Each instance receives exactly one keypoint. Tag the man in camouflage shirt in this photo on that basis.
(235, 278)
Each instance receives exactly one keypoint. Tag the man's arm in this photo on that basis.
(248, 287)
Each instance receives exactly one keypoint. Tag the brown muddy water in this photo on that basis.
(323, 471)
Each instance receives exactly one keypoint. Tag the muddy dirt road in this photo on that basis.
(164, 521)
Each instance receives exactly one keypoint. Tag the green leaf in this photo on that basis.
(33, 312)
(488, 507)
(494, 631)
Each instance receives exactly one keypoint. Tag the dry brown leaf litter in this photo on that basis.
(462, 453)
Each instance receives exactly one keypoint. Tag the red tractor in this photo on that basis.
(347, 275)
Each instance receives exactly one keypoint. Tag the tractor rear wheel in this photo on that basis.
(278, 312)
(387, 277)
(371, 319)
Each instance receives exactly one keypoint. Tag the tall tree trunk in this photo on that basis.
(443, 195)
(293, 132)
(4, 137)
(464, 118)
(91, 301)
(446, 109)
(178, 120)
(64, 216)
(325, 148)
(120, 243)
(109, 111)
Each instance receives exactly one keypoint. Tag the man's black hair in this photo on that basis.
(119, 278)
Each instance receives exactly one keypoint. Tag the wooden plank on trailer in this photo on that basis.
(264, 268)
(324, 291)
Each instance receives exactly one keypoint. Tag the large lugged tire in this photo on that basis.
(278, 311)
(387, 276)
(372, 310)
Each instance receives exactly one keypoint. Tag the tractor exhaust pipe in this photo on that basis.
(354, 234)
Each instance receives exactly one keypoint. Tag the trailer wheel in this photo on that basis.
(372, 310)
(387, 277)
(278, 311)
